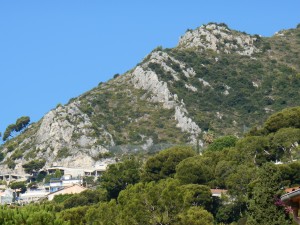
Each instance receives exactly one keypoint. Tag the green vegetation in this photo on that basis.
(63, 153)
(173, 186)
(241, 91)
(20, 124)
(234, 93)
(125, 114)
(164, 163)
(34, 166)
(222, 142)
(21, 185)
(261, 204)
(119, 176)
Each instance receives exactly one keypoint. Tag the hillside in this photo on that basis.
(216, 79)
(234, 182)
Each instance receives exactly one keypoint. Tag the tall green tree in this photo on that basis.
(285, 141)
(195, 170)
(257, 149)
(18, 185)
(222, 142)
(119, 175)
(163, 164)
(8, 131)
(289, 117)
(34, 166)
(20, 124)
(105, 213)
(196, 216)
(262, 198)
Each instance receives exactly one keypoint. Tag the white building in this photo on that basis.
(32, 196)
(6, 197)
(79, 172)
(60, 183)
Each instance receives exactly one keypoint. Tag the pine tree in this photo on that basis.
(262, 207)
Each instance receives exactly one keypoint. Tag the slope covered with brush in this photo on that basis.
(216, 80)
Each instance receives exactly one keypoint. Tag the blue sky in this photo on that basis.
(51, 51)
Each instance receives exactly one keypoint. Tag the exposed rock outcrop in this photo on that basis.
(144, 78)
(219, 38)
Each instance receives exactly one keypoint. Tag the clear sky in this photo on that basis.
(51, 51)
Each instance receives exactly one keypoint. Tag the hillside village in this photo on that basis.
(61, 180)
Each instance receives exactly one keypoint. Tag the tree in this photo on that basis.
(195, 170)
(73, 216)
(2, 156)
(19, 185)
(58, 174)
(163, 164)
(223, 169)
(290, 175)
(196, 216)
(75, 201)
(105, 213)
(257, 149)
(61, 198)
(262, 208)
(151, 203)
(34, 166)
(8, 131)
(116, 75)
(119, 175)
(237, 182)
(196, 195)
(289, 117)
(228, 213)
(89, 181)
(20, 124)
(285, 141)
(222, 142)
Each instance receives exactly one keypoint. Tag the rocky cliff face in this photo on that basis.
(144, 78)
(216, 79)
(219, 38)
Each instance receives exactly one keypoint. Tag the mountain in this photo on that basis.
(216, 79)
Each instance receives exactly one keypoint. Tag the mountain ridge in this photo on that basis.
(216, 79)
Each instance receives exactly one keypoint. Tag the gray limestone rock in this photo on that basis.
(219, 39)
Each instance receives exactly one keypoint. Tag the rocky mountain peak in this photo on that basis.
(174, 96)
(219, 38)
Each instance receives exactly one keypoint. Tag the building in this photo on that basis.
(218, 192)
(9, 177)
(74, 189)
(292, 199)
(60, 183)
(32, 196)
(6, 197)
(78, 172)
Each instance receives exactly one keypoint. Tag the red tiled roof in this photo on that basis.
(288, 190)
(218, 191)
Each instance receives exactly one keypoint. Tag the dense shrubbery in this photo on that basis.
(130, 118)
(240, 91)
